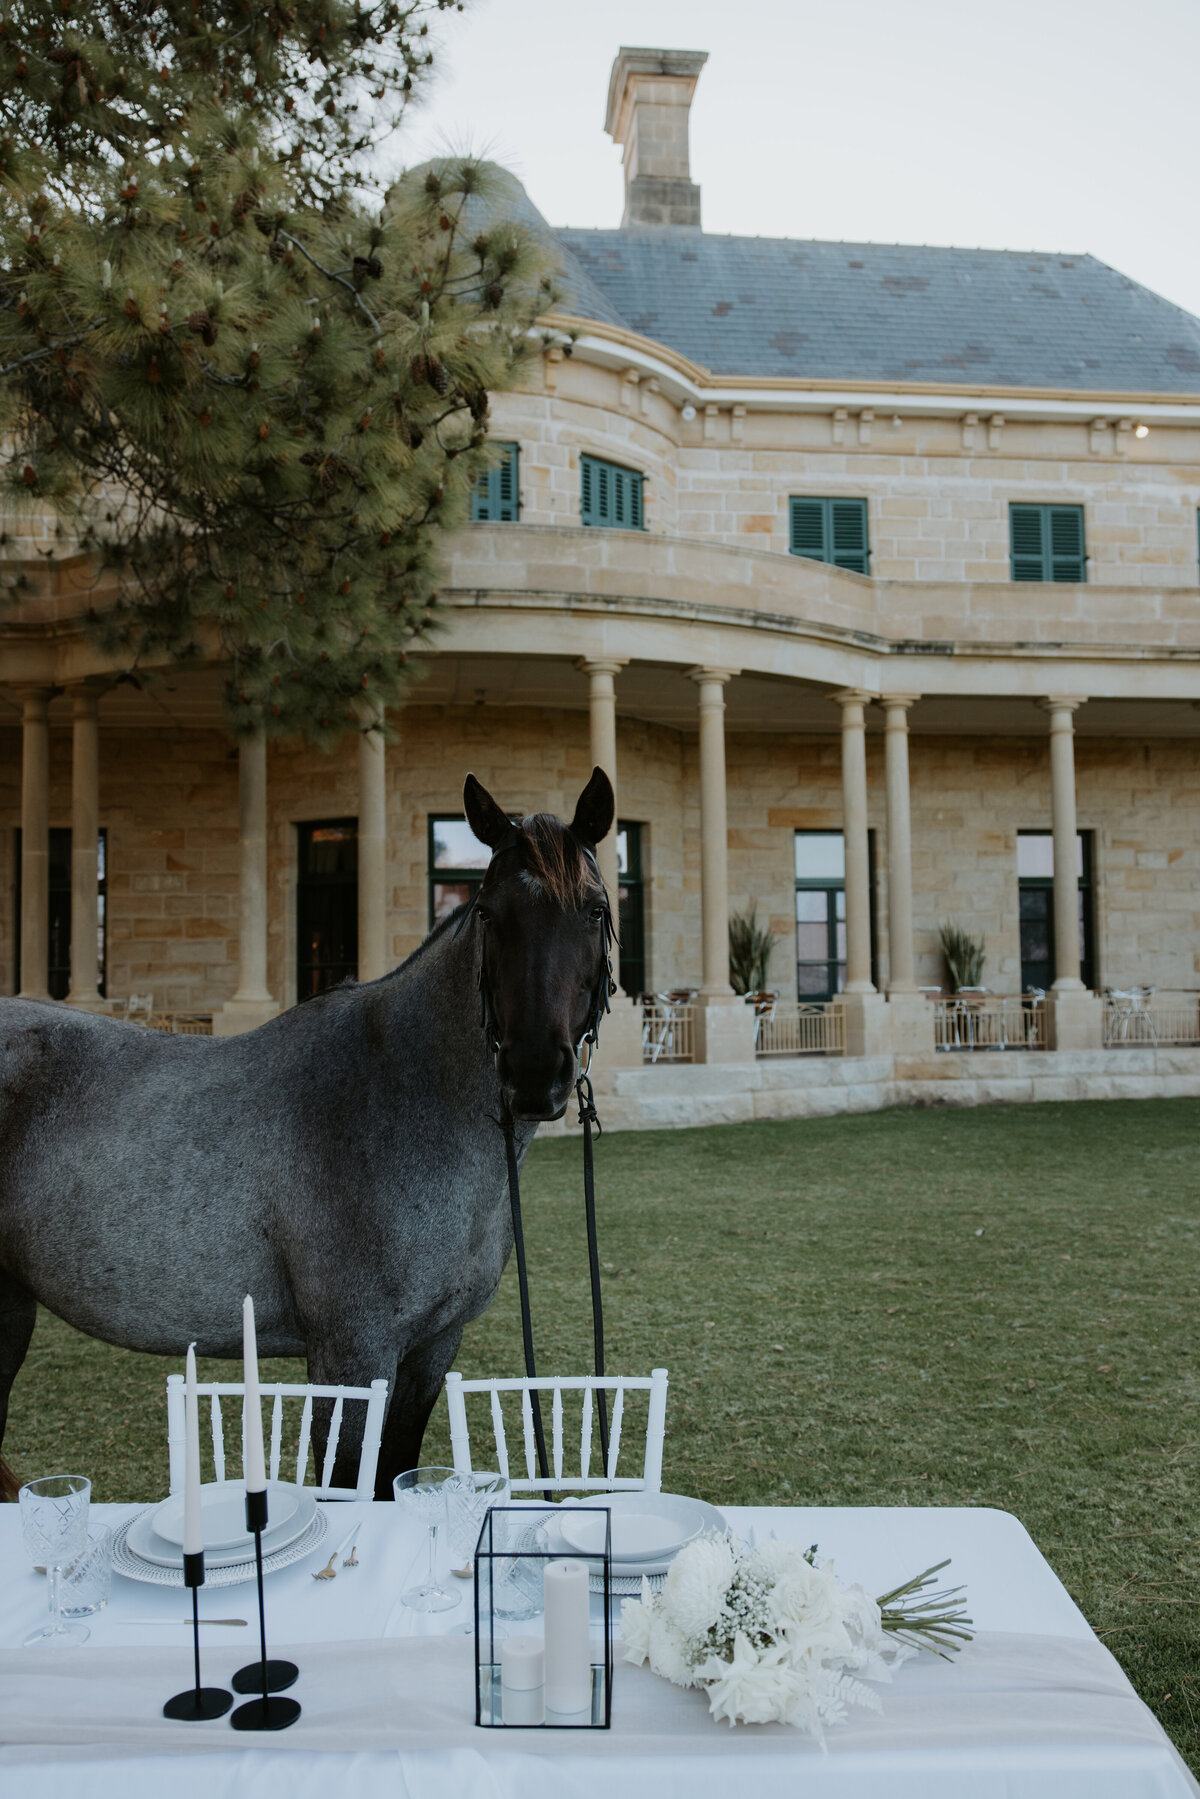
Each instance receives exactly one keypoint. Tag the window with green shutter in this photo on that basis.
(1047, 543)
(610, 494)
(831, 531)
(496, 498)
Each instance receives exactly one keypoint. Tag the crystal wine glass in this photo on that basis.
(54, 1517)
(469, 1498)
(423, 1492)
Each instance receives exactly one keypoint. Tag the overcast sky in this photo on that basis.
(1029, 125)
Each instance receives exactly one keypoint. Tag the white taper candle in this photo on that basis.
(568, 1640)
(193, 1523)
(254, 1467)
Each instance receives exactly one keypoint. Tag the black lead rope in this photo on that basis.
(514, 1200)
(588, 1119)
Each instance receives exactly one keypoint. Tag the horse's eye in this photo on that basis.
(597, 914)
(483, 915)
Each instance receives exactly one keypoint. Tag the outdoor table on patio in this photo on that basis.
(1034, 1709)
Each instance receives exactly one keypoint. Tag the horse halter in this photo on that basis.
(604, 987)
(602, 993)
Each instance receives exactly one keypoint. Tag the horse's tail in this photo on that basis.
(9, 1482)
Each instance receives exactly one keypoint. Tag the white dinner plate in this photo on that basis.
(223, 1511)
(676, 1507)
(636, 1536)
(144, 1540)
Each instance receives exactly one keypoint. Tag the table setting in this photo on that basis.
(463, 1638)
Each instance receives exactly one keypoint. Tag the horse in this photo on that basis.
(345, 1162)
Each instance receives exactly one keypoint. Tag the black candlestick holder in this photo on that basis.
(197, 1703)
(266, 1679)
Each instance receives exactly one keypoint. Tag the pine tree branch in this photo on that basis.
(340, 279)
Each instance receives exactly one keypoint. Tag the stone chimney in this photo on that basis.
(649, 98)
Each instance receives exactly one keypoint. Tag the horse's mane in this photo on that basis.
(554, 859)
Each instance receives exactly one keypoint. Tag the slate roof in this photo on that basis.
(883, 312)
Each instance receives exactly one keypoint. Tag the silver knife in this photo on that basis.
(179, 1622)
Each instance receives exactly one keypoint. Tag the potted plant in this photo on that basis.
(964, 956)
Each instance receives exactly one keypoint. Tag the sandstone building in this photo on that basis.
(869, 572)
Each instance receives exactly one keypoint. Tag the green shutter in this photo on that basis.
(808, 529)
(1047, 543)
(830, 531)
(495, 498)
(848, 534)
(610, 495)
(1066, 543)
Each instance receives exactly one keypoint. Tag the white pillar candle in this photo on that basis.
(522, 1662)
(254, 1464)
(568, 1638)
(193, 1525)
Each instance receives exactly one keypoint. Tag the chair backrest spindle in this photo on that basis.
(374, 1398)
(605, 1479)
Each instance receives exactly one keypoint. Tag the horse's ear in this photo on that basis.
(594, 813)
(488, 821)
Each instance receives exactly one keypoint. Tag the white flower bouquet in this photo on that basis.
(772, 1636)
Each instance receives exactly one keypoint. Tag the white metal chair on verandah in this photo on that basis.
(607, 1480)
(374, 1397)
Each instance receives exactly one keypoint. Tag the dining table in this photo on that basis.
(1034, 1707)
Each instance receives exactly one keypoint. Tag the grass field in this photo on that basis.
(987, 1307)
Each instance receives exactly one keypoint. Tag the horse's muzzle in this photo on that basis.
(535, 1095)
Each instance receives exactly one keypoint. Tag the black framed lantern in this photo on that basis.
(543, 1619)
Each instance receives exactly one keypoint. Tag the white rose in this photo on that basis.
(693, 1594)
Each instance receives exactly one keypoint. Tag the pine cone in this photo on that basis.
(419, 369)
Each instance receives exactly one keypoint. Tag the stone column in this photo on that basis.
(724, 1024)
(854, 828)
(252, 1004)
(1066, 874)
(1075, 1016)
(85, 849)
(620, 1041)
(899, 843)
(865, 1022)
(35, 842)
(372, 856)
(602, 708)
(909, 1014)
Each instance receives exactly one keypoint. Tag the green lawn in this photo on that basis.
(988, 1307)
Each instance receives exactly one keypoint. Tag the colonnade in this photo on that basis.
(724, 1028)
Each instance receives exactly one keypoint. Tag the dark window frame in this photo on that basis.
(631, 906)
(308, 885)
(1087, 912)
(806, 884)
(496, 495)
(820, 529)
(611, 495)
(58, 976)
(448, 877)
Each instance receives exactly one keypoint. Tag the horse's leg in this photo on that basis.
(415, 1392)
(18, 1311)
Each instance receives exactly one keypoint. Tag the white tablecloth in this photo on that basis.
(1022, 1753)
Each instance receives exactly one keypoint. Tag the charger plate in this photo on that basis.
(126, 1562)
(146, 1545)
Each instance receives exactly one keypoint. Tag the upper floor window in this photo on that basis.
(1047, 543)
(831, 531)
(611, 494)
(495, 497)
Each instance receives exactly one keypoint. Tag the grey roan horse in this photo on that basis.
(343, 1162)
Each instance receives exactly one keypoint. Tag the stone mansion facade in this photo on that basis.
(870, 574)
